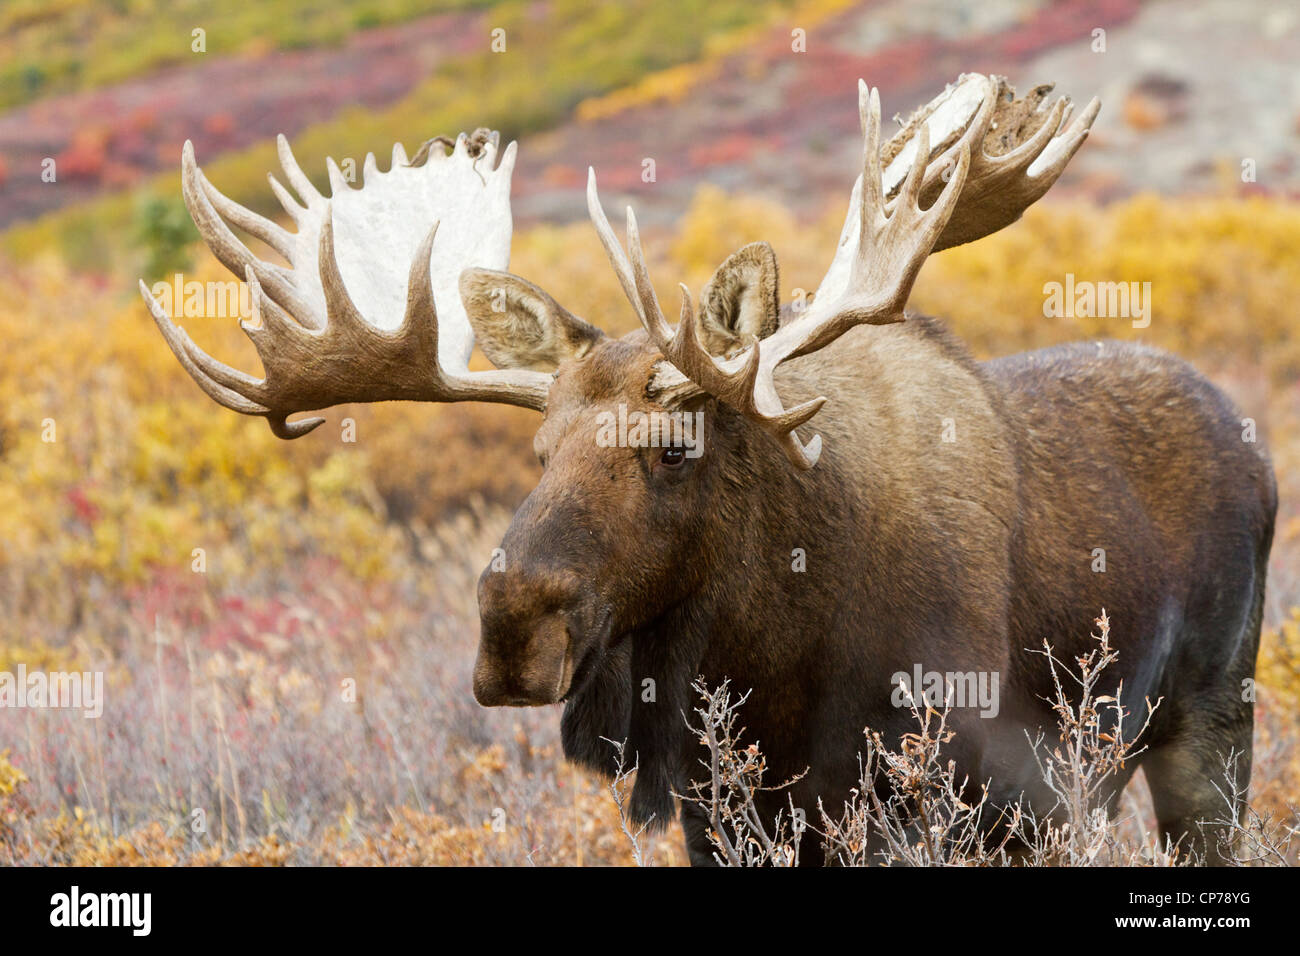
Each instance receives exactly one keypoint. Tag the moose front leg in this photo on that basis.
(695, 824)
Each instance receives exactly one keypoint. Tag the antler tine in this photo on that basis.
(911, 192)
(524, 388)
(613, 250)
(232, 253)
(419, 290)
(733, 384)
(337, 182)
(261, 227)
(1030, 149)
(685, 341)
(183, 348)
(1061, 149)
(271, 320)
(290, 205)
(872, 212)
(872, 193)
(293, 172)
(340, 308)
(652, 316)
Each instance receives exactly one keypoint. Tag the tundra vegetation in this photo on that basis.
(327, 560)
(287, 630)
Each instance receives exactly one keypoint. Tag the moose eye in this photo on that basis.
(673, 457)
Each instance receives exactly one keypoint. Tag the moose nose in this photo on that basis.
(526, 669)
(531, 624)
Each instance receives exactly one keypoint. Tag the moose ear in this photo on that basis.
(742, 300)
(520, 326)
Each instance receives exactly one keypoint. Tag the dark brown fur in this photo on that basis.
(960, 556)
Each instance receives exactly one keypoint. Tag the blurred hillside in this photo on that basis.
(712, 92)
(325, 561)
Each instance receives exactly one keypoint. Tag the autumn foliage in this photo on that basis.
(287, 629)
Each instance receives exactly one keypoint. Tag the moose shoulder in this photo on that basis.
(843, 495)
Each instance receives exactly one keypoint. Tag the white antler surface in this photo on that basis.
(377, 229)
(369, 308)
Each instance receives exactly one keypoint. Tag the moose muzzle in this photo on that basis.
(539, 624)
(525, 667)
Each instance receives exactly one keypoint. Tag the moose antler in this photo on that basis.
(353, 319)
(969, 191)
(1023, 149)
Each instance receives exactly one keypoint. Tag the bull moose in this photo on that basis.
(654, 560)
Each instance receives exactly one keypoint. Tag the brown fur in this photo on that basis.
(960, 556)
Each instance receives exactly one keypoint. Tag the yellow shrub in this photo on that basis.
(1278, 666)
(11, 778)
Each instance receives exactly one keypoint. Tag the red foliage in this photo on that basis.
(84, 158)
(86, 510)
(724, 150)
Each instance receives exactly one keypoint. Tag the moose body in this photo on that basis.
(948, 515)
(961, 555)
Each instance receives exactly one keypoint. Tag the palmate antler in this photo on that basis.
(988, 157)
(1024, 149)
(369, 309)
